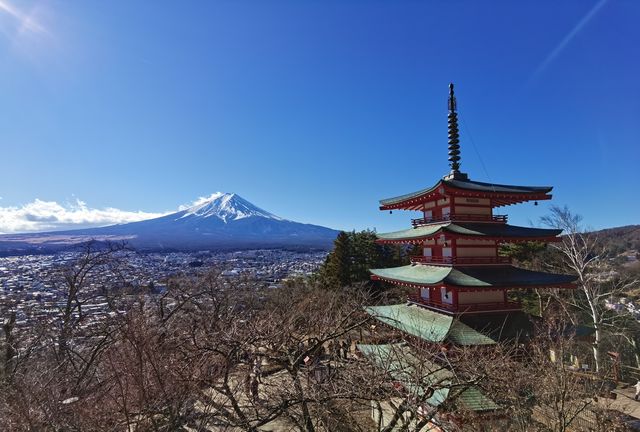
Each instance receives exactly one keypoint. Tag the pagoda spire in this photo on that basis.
(454, 139)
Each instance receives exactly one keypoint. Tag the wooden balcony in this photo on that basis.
(466, 308)
(439, 260)
(460, 218)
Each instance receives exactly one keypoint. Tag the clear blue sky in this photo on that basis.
(315, 110)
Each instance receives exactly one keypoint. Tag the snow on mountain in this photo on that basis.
(220, 221)
(227, 207)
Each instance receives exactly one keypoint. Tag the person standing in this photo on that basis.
(637, 396)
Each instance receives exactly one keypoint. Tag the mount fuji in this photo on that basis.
(220, 221)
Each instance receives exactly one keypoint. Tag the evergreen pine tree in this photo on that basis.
(337, 268)
(354, 254)
(366, 255)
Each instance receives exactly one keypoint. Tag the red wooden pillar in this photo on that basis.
(455, 297)
(454, 254)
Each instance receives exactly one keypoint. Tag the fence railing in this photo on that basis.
(476, 307)
(460, 217)
(459, 260)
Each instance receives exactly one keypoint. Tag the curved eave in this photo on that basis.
(403, 364)
(413, 233)
(495, 187)
(471, 278)
(418, 240)
(473, 231)
(414, 200)
(500, 195)
(461, 288)
(414, 320)
(428, 325)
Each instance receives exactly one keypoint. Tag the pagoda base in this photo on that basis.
(456, 175)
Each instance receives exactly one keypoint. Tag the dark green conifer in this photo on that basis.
(337, 268)
(354, 254)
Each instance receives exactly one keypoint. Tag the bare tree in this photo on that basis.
(9, 349)
(597, 280)
(55, 359)
(217, 353)
(540, 390)
(181, 360)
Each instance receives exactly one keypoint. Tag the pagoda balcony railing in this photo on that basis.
(460, 217)
(475, 307)
(440, 260)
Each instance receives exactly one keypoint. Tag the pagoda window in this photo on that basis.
(426, 251)
(446, 252)
(446, 295)
(446, 212)
(424, 293)
(428, 215)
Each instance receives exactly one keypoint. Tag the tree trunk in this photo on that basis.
(636, 351)
(595, 318)
(306, 415)
(9, 349)
(596, 350)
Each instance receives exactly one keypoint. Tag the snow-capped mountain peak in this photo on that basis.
(222, 221)
(225, 206)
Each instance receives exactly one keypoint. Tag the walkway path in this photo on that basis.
(625, 402)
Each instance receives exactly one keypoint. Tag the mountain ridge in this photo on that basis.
(220, 221)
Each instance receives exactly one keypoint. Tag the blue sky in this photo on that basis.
(313, 110)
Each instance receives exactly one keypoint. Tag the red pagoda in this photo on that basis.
(460, 270)
(459, 283)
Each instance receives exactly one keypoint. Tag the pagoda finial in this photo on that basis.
(454, 137)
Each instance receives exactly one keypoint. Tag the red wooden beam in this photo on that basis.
(469, 289)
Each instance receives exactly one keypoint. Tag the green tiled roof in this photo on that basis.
(470, 229)
(418, 274)
(417, 375)
(428, 325)
(400, 198)
(415, 320)
(494, 187)
(515, 325)
(474, 400)
(471, 276)
(462, 334)
(470, 185)
(401, 363)
(413, 233)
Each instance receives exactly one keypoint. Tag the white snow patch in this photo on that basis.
(225, 206)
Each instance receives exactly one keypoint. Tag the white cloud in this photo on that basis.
(24, 21)
(565, 41)
(42, 215)
(201, 200)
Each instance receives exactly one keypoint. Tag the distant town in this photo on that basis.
(33, 285)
